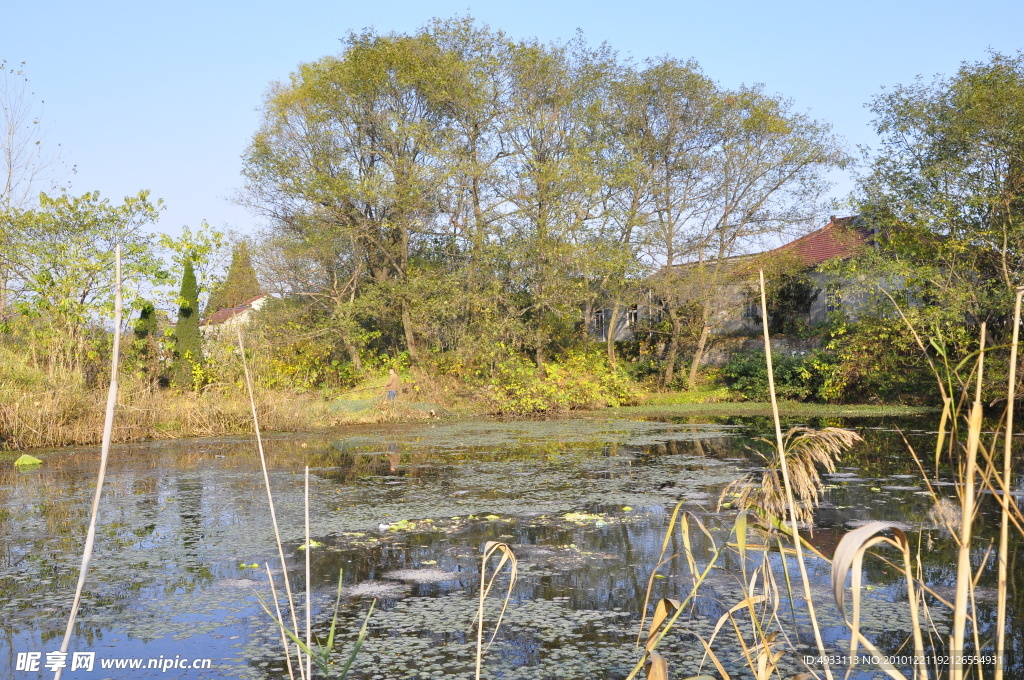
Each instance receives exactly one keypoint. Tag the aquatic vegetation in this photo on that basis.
(805, 450)
(323, 655)
(26, 461)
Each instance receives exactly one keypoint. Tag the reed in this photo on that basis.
(793, 476)
(1006, 498)
(108, 428)
(505, 556)
(790, 500)
(321, 655)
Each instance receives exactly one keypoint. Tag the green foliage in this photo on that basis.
(143, 349)
(306, 363)
(580, 380)
(747, 374)
(875, 359)
(188, 351)
(947, 189)
(204, 248)
(57, 276)
(789, 299)
(241, 284)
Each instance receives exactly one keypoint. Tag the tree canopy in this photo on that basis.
(457, 190)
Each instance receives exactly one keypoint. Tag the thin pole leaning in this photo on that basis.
(108, 431)
(1004, 527)
(309, 612)
(270, 501)
(964, 582)
(789, 488)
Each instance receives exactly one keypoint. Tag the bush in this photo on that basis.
(580, 380)
(747, 373)
(877, 359)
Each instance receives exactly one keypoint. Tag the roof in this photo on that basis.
(842, 237)
(222, 315)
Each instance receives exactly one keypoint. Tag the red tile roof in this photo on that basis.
(222, 315)
(841, 237)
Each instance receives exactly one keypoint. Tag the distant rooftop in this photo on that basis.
(222, 315)
(841, 237)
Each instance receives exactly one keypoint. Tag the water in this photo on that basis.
(404, 513)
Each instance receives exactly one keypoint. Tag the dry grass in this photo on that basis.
(806, 451)
(62, 417)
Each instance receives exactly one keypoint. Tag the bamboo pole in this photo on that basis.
(1004, 528)
(108, 431)
(309, 613)
(789, 489)
(964, 581)
(270, 502)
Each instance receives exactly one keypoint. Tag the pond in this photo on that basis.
(404, 511)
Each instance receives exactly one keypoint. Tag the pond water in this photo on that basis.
(403, 512)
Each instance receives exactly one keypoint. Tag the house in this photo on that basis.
(737, 310)
(842, 238)
(230, 318)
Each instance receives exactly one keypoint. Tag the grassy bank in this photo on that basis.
(786, 408)
(66, 417)
(73, 416)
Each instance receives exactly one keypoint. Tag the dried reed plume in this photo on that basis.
(805, 449)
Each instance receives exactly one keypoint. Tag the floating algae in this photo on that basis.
(26, 462)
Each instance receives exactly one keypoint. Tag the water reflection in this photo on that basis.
(404, 514)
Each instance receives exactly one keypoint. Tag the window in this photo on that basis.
(752, 309)
(599, 323)
(833, 301)
(632, 316)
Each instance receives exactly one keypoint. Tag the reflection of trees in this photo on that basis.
(189, 497)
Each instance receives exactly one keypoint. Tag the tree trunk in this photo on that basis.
(353, 353)
(410, 339)
(614, 319)
(539, 354)
(673, 346)
(698, 354)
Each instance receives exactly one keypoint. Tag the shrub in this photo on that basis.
(580, 380)
(747, 373)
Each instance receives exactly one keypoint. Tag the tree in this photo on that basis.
(768, 178)
(240, 285)
(349, 163)
(144, 350)
(25, 162)
(204, 248)
(947, 186)
(188, 352)
(668, 138)
(60, 259)
(554, 130)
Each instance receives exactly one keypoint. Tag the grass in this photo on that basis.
(786, 408)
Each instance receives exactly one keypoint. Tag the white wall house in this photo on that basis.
(228, 319)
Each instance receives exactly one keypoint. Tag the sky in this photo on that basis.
(166, 96)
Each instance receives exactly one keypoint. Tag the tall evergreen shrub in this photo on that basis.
(188, 342)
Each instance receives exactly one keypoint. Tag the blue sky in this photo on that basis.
(165, 96)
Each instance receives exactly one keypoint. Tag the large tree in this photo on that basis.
(668, 137)
(350, 160)
(947, 183)
(556, 135)
(769, 177)
(61, 268)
